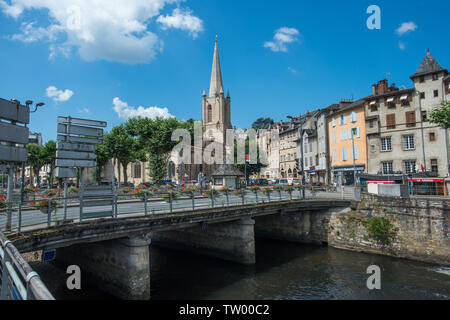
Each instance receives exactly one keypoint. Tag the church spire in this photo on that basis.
(216, 85)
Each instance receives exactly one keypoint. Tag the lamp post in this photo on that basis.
(353, 156)
(421, 129)
(300, 131)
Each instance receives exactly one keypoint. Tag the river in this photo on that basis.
(282, 271)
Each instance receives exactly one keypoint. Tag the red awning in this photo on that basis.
(425, 180)
(380, 182)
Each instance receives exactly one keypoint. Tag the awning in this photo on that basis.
(371, 118)
(404, 97)
(425, 180)
(380, 182)
(390, 99)
(373, 102)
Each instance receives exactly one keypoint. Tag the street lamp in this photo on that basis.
(40, 104)
(300, 130)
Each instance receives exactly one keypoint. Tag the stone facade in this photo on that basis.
(400, 139)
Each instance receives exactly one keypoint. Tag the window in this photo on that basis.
(355, 132)
(311, 163)
(374, 108)
(411, 119)
(344, 154)
(372, 148)
(306, 147)
(436, 93)
(333, 122)
(422, 95)
(310, 147)
(435, 76)
(390, 121)
(424, 116)
(405, 102)
(422, 79)
(209, 115)
(343, 134)
(353, 116)
(410, 166)
(334, 137)
(342, 119)
(386, 144)
(137, 171)
(388, 167)
(408, 143)
(432, 136)
(434, 166)
(356, 155)
(334, 155)
(371, 123)
(306, 161)
(391, 105)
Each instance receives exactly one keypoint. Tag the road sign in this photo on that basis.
(13, 154)
(75, 163)
(78, 139)
(13, 133)
(66, 173)
(48, 254)
(75, 155)
(82, 131)
(75, 147)
(83, 122)
(13, 112)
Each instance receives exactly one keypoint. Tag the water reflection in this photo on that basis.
(282, 271)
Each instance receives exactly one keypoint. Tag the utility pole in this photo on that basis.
(353, 156)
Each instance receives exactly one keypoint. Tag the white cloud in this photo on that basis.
(59, 95)
(292, 70)
(182, 20)
(84, 110)
(282, 37)
(402, 45)
(406, 27)
(101, 29)
(125, 111)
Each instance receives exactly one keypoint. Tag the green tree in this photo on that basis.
(155, 135)
(119, 144)
(251, 168)
(49, 155)
(441, 115)
(36, 160)
(262, 123)
(102, 159)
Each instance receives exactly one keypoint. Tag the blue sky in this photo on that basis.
(159, 54)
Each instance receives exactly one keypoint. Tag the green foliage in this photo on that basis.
(381, 230)
(36, 159)
(121, 145)
(262, 123)
(155, 137)
(102, 159)
(441, 115)
(49, 155)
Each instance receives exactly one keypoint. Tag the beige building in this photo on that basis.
(400, 139)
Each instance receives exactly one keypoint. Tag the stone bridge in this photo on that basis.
(114, 253)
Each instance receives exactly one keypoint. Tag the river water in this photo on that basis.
(282, 271)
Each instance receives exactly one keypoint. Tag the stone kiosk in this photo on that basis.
(227, 175)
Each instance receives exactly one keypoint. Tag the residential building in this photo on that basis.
(400, 138)
(347, 148)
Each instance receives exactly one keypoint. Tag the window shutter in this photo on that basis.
(334, 122)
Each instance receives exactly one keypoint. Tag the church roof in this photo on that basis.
(428, 65)
(227, 170)
(216, 86)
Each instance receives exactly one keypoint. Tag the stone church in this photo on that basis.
(216, 119)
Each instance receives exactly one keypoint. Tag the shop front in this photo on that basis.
(427, 186)
(345, 176)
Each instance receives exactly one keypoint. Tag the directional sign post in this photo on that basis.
(77, 140)
(13, 137)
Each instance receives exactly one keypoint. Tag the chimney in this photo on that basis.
(382, 86)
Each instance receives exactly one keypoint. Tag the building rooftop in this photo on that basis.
(428, 65)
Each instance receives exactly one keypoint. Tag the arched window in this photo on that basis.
(209, 114)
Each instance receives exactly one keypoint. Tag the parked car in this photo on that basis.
(262, 182)
(281, 182)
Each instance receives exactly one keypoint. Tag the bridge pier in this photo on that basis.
(302, 227)
(232, 241)
(120, 267)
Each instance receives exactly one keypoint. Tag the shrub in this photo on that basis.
(381, 230)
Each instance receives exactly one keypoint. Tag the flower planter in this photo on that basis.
(47, 210)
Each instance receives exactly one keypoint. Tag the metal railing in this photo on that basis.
(23, 217)
(18, 281)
